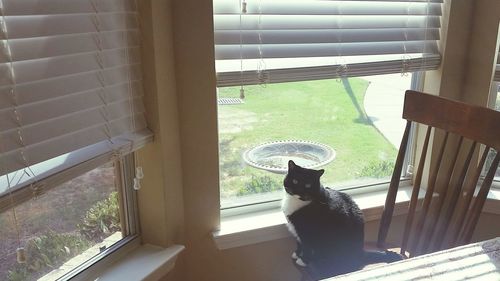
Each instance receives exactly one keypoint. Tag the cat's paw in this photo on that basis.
(299, 262)
(294, 256)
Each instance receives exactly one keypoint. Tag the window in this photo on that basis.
(65, 225)
(71, 116)
(347, 116)
(320, 82)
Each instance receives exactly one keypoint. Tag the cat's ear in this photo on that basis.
(320, 172)
(291, 165)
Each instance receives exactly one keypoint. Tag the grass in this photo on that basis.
(326, 111)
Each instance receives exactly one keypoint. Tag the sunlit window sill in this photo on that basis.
(256, 227)
(74, 262)
(145, 262)
(130, 260)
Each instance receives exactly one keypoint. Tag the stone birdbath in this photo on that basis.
(274, 156)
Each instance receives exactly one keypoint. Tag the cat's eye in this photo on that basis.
(295, 181)
(308, 185)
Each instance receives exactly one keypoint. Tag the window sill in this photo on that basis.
(130, 261)
(145, 262)
(82, 258)
(256, 227)
(251, 228)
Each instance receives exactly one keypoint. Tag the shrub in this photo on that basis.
(19, 273)
(102, 219)
(47, 252)
(377, 169)
(259, 184)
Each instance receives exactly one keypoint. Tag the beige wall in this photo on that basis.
(483, 43)
(179, 202)
(161, 198)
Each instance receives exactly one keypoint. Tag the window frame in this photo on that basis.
(273, 200)
(92, 267)
(124, 170)
(231, 39)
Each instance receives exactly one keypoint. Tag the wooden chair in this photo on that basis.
(463, 137)
(449, 212)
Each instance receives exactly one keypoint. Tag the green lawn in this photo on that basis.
(326, 111)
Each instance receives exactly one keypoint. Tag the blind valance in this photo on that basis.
(278, 41)
(70, 77)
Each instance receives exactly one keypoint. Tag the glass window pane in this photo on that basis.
(497, 107)
(61, 228)
(359, 119)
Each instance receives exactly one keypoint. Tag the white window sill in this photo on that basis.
(74, 262)
(145, 262)
(128, 261)
(251, 228)
(256, 227)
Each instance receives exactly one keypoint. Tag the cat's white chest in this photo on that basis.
(289, 205)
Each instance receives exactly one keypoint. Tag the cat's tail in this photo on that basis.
(373, 256)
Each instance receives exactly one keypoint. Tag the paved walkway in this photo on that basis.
(384, 104)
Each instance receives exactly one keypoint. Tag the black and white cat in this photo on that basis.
(327, 224)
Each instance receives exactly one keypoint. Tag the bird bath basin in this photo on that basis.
(274, 156)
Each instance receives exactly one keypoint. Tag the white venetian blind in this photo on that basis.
(69, 77)
(292, 40)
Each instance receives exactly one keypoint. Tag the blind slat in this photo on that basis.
(232, 37)
(281, 22)
(62, 125)
(344, 8)
(53, 46)
(45, 68)
(322, 50)
(48, 7)
(67, 105)
(42, 90)
(294, 74)
(50, 25)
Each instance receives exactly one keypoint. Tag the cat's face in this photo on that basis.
(302, 182)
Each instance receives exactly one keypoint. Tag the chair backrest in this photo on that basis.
(447, 215)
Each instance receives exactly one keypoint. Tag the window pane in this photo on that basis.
(61, 228)
(358, 118)
(497, 107)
